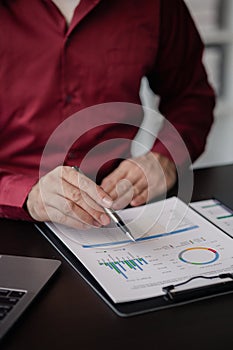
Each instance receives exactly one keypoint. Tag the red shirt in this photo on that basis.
(48, 72)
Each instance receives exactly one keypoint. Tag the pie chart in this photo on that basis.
(198, 256)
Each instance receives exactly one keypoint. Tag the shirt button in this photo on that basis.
(68, 99)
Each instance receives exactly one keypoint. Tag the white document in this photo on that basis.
(173, 244)
(217, 213)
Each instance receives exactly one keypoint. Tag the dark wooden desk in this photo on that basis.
(69, 315)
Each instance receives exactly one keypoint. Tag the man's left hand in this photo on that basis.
(138, 180)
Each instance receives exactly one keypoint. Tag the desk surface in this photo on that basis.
(68, 314)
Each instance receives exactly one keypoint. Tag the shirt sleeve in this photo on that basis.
(179, 78)
(14, 189)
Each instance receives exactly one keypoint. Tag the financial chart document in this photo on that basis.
(217, 213)
(173, 244)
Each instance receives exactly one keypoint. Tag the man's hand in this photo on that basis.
(138, 180)
(70, 198)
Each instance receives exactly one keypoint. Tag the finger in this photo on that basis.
(70, 209)
(57, 216)
(148, 192)
(124, 194)
(126, 170)
(140, 199)
(137, 194)
(140, 186)
(118, 185)
(42, 210)
(82, 200)
(121, 187)
(53, 188)
(125, 191)
(87, 185)
(129, 170)
(109, 183)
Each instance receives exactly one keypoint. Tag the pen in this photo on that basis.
(119, 222)
(113, 214)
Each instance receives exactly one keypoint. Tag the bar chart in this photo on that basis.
(122, 266)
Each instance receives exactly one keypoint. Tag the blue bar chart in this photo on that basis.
(124, 265)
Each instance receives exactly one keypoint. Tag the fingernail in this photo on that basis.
(134, 203)
(104, 219)
(107, 201)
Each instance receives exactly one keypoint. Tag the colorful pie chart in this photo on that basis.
(199, 256)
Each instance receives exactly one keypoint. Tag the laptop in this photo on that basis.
(21, 279)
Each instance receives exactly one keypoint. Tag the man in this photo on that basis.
(52, 67)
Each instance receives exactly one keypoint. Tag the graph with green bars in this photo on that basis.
(122, 266)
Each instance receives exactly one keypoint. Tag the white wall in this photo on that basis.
(218, 38)
(219, 149)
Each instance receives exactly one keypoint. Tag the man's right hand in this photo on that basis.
(67, 197)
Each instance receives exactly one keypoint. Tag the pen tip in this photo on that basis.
(131, 236)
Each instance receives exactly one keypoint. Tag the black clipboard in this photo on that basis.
(171, 298)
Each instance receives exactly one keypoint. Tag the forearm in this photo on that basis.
(188, 122)
(179, 78)
(14, 189)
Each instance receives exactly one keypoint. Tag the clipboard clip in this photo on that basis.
(174, 295)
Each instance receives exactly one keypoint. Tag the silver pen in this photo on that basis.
(119, 222)
(113, 215)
